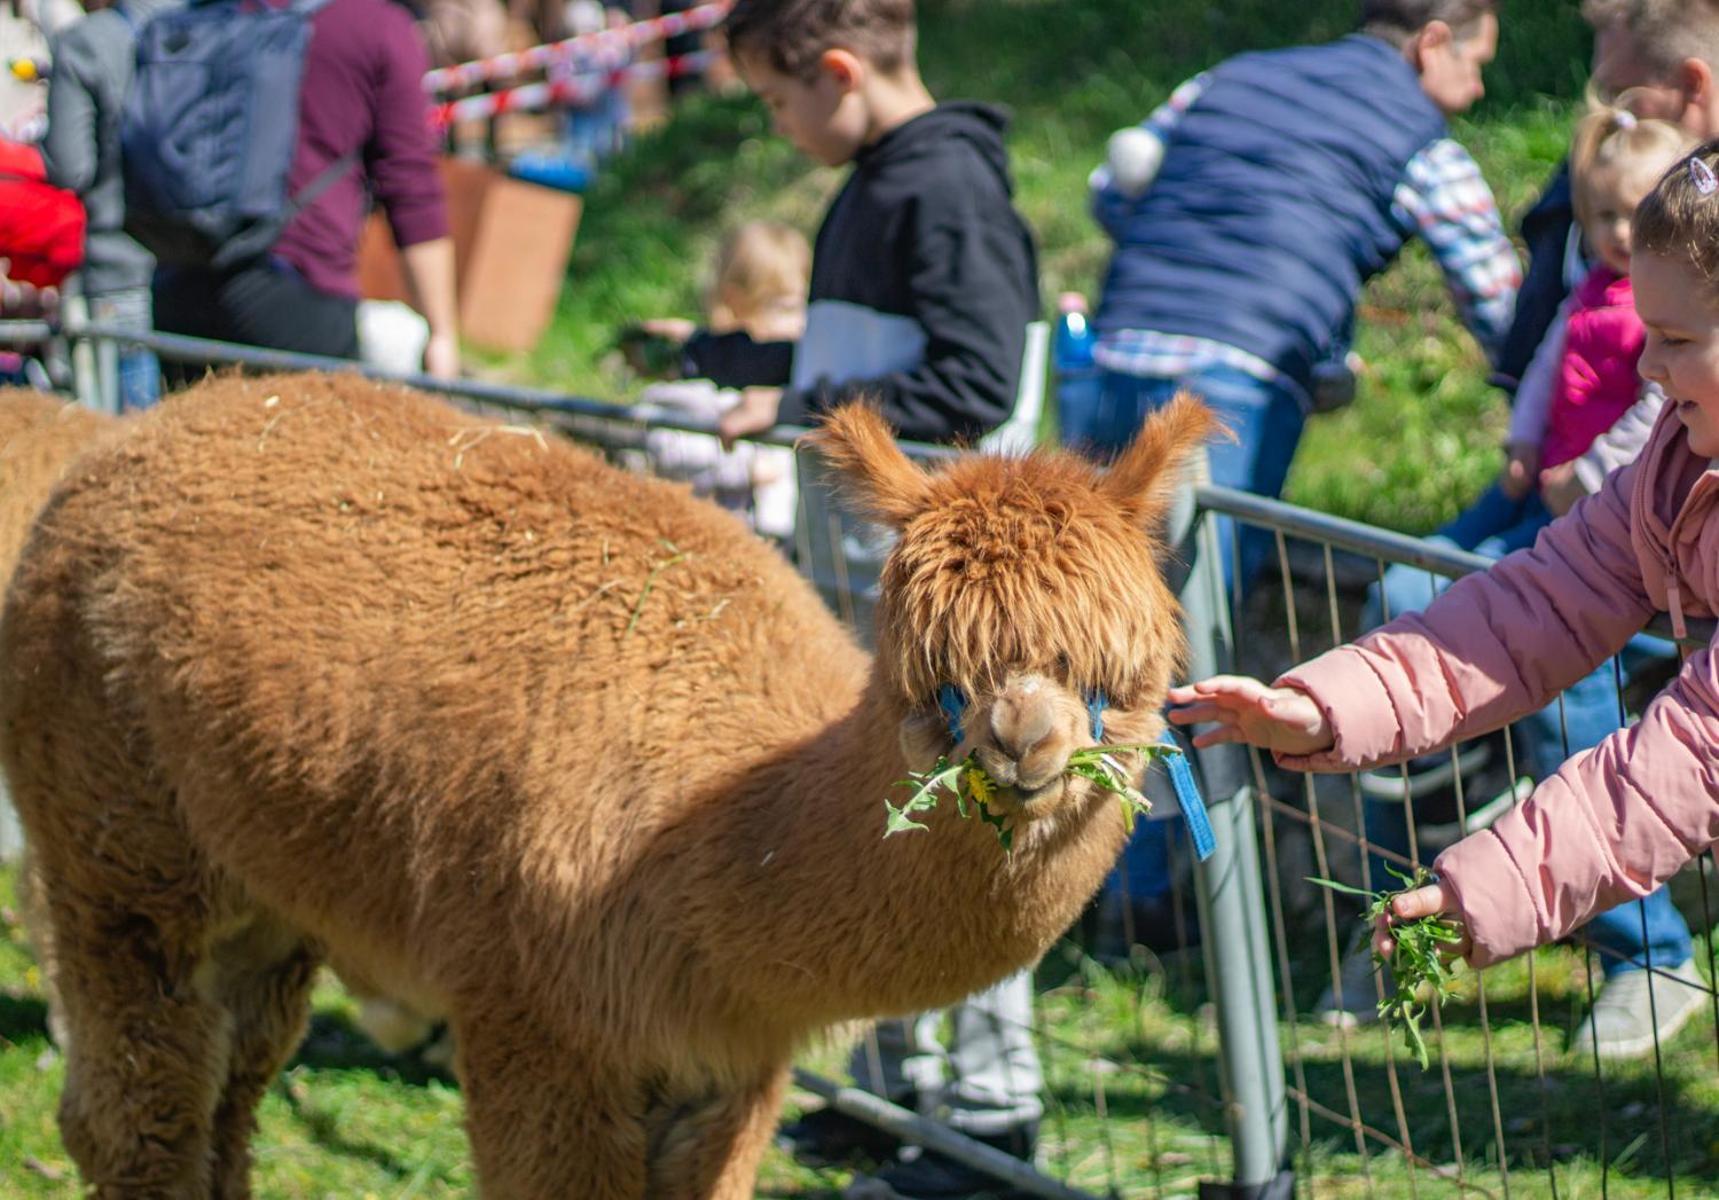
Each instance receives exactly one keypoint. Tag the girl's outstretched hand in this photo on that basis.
(1246, 710)
(1429, 901)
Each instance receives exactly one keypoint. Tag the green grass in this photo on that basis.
(1421, 439)
(1136, 1044)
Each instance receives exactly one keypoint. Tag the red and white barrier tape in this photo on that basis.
(564, 93)
(585, 46)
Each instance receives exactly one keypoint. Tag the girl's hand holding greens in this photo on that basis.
(1416, 936)
(1429, 900)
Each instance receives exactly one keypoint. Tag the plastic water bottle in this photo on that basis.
(1077, 378)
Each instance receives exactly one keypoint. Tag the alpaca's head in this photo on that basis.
(1028, 583)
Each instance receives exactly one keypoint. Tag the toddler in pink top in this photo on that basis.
(1584, 376)
(1597, 381)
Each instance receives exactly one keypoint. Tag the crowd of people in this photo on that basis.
(1246, 213)
(191, 226)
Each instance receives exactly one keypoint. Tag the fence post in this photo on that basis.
(1231, 901)
(86, 372)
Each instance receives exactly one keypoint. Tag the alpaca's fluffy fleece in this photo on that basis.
(308, 666)
(40, 437)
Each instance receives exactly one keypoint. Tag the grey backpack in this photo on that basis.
(208, 130)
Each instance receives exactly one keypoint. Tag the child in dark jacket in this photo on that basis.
(924, 280)
(924, 277)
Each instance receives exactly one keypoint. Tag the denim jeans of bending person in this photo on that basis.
(1266, 421)
(1264, 418)
(1631, 934)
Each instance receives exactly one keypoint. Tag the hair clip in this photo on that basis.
(1701, 175)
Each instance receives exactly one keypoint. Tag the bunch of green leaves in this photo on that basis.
(973, 788)
(1423, 975)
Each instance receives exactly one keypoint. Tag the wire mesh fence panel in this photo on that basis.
(1520, 1096)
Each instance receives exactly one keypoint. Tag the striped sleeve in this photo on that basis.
(1444, 200)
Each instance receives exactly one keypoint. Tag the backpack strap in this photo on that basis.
(303, 8)
(325, 179)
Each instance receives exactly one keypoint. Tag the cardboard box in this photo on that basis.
(512, 241)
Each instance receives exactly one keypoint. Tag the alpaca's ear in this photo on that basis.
(1144, 475)
(872, 473)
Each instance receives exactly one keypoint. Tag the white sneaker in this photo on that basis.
(1353, 999)
(1623, 1024)
(1433, 838)
(1425, 775)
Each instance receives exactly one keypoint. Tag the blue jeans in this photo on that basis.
(1265, 419)
(1494, 525)
(1267, 423)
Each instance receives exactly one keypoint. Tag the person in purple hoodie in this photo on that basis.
(362, 97)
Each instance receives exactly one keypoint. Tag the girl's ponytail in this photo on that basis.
(1610, 137)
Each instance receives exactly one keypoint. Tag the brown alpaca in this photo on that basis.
(561, 752)
(40, 437)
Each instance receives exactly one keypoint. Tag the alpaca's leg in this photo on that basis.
(263, 980)
(545, 1123)
(38, 932)
(709, 1149)
(146, 1046)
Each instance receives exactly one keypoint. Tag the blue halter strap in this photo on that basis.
(952, 702)
(1188, 797)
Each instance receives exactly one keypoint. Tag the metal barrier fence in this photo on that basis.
(1507, 1106)
(1192, 1060)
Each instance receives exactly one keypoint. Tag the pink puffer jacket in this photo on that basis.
(1597, 380)
(1616, 821)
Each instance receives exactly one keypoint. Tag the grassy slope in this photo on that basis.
(1417, 444)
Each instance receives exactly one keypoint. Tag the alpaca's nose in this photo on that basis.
(1022, 722)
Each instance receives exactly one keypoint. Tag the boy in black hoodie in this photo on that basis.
(924, 280)
(924, 276)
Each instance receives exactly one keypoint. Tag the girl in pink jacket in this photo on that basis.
(1578, 384)
(1618, 820)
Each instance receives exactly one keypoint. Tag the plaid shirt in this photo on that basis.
(1442, 198)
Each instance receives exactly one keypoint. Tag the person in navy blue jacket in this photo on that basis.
(1247, 212)
(1253, 205)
